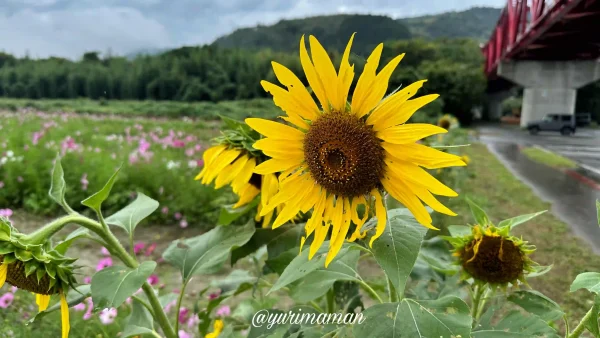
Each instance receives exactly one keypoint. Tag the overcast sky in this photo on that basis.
(68, 28)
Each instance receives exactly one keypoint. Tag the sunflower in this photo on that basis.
(227, 165)
(35, 268)
(448, 121)
(341, 155)
(491, 255)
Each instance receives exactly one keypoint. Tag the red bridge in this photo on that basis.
(549, 47)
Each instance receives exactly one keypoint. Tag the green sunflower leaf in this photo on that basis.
(397, 249)
(480, 216)
(229, 214)
(94, 202)
(140, 321)
(130, 216)
(30, 268)
(277, 241)
(113, 285)
(63, 246)
(444, 317)
(536, 303)
(5, 230)
(459, 230)
(592, 321)
(23, 255)
(513, 222)
(58, 186)
(207, 253)
(516, 324)
(587, 280)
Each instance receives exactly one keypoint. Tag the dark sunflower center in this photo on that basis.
(16, 277)
(498, 260)
(255, 180)
(444, 123)
(344, 155)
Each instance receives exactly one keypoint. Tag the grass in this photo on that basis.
(238, 109)
(503, 196)
(548, 158)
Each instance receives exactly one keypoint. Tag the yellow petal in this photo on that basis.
(277, 165)
(324, 68)
(42, 301)
(381, 214)
(275, 130)
(405, 112)
(222, 161)
(3, 273)
(317, 215)
(365, 82)
(64, 316)
(307, 107)
(280, 149)
(321, 231)
(311, 76)
(311, 198)
(401, 192)
(344, 80)
(409, 133)
(243, 177)
(391, 105)
(287, 191)
(247, 195)
(358, 221)
(337, 214)
(422, 155)
(287, 102)
(227, 175)
(292, 206)
(208, 156)
(427, 198)
(336, 245)
(379, 87)
(405, 171)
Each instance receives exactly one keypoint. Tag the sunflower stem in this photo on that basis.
(41, 235)
(114, 246)
(179, 300)
(330, 300)
(581, 326)
(392, 293)
(476, 304)
(370, 291)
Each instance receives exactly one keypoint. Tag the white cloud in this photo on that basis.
(70, 33)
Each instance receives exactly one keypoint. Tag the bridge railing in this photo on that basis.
(519, 20)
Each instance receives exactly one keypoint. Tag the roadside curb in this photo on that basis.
(583, 172)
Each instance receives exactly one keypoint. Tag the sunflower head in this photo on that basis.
(35, 268)
(447, 121)
(342, 151)
(489, 254)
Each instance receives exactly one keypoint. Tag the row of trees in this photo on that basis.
(211, 73)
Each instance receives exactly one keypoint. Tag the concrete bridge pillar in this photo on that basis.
(494, 104)
(550, 87)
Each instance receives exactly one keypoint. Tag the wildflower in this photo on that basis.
(165, 210)
(217, 329)
(87, 280)
(6, 213)
(13, 289)
(84, 182)
(104, 251)
(79, 307)
(6, 300)
(107, 316)
(192, 164)
(104, 263)
(138, 247)
(342, 155)
(214, 295)
(20, 179)
(153, 279)
(1, 184)
(183, 334)
(144, 146)
(170, 306)
(184, 315)
(223, 311)
(189, 152)
(183, 224)
(173, 165)
(150, 249)
(178, 216)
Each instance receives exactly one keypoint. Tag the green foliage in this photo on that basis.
(113, 285)
(129, 217)
(95, 201)
(140, 321)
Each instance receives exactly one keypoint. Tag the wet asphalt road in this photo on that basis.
(572, 198)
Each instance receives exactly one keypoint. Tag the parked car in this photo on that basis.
(565, 124)
(583, 119)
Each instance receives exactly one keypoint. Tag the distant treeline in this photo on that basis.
(210, 73)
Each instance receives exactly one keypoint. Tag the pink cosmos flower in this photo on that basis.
(165, 210)
(189, 152)
(153, 280)
(36, 137)
(223, 311)
(193, 322)
(178, 216)
(214, 295)
(104, 263)
(13, 289)
(170, 306)
(144, 146)
(183, 224)
(183, 334)
(150, 249)
(104, 251)
(6, 213)
(138, 247)
(184, 315)
(84, 182)
(107, 316)
(88, 314)
(178, 144)
(87, 280)
(6, 300)
(79, 307)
